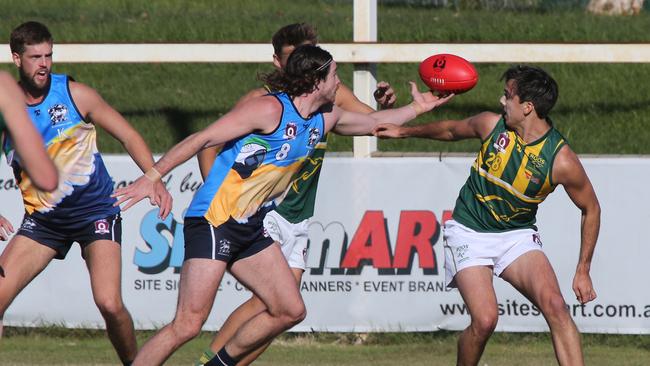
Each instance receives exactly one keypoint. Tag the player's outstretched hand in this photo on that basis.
(583, 287)
(385, 95)
(141, 188)
(5, 228)
(427, 100)
(387, 131)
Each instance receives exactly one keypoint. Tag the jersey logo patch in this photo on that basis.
(250, 157)
(101, 227)
(58, 113)
(291, 131)
(502, 142)
(314, 136)
(224, 247)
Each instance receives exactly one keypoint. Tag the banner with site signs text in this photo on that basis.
(376, 256)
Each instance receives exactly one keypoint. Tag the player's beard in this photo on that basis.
(31, 82)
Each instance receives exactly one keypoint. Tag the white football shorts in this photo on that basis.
(465, 247)
(293, 238)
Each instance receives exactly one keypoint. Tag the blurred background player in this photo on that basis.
(492, 231)
(288, 224)
(81, 208)
(265, 141)
(29, 145)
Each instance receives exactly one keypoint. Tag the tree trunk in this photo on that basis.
(615, 7)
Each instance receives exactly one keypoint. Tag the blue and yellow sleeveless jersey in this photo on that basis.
(253, 170)
(84, 190)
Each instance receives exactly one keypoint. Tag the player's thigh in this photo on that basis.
(104, 263)
(198, 284)
(268, 275)
(533, 276)
(475, 285)
(21, 261)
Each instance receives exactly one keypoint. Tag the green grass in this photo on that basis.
(600, 105)
(57, 346)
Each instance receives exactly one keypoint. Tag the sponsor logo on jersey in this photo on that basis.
(537, 161)
(537, 239)
(101, 227)
(531, 177)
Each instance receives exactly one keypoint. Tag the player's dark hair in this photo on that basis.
(307, 65)
(28, 34)
(534, 85)
(294, 35)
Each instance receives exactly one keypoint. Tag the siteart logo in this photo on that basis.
(332, 250)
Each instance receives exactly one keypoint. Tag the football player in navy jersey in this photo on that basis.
(81, 208)
(16, 124)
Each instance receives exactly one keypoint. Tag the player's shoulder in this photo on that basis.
(255, 93)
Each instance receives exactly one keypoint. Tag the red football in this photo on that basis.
(447, 73)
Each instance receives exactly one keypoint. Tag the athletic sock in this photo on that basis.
(222, 359)
(205, 358)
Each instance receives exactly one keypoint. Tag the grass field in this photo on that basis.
(90, 347)
(599, 106)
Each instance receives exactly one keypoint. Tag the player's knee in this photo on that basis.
(109, 306)
(293, 313)
(186, 328)
(484, 324)
(554, 307)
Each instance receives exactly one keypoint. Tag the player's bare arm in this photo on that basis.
(569, 172)
(207, 155)
(257, 115)
(477, 126)
(94, 109)
(28, 142)
(350, 123)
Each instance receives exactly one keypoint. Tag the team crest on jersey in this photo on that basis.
(314, 137)
(101, 227)
(224, 247)
(502, 142)
(58, 113)
(291, 131)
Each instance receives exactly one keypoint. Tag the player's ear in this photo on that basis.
(529, 107)
(16, 58)
(276, 61)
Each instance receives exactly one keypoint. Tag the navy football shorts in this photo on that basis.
(228, 242)
(61, 239)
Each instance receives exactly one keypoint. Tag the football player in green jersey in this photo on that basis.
(492, 232)
(289, 222)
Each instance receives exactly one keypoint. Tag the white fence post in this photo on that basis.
(364, 80)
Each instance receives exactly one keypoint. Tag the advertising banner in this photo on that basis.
(376, 256)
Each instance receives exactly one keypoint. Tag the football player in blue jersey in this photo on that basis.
(224, 223)
(81, 208)
(16, 124)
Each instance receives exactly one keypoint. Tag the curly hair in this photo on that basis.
(306, 67)
(28, 34)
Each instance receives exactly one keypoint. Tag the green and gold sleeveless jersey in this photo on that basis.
(298, 204)
(507, 181)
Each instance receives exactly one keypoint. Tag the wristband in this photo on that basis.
(153, 175)
(417, 108)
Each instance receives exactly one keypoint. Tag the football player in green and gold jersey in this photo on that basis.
(492, 231)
